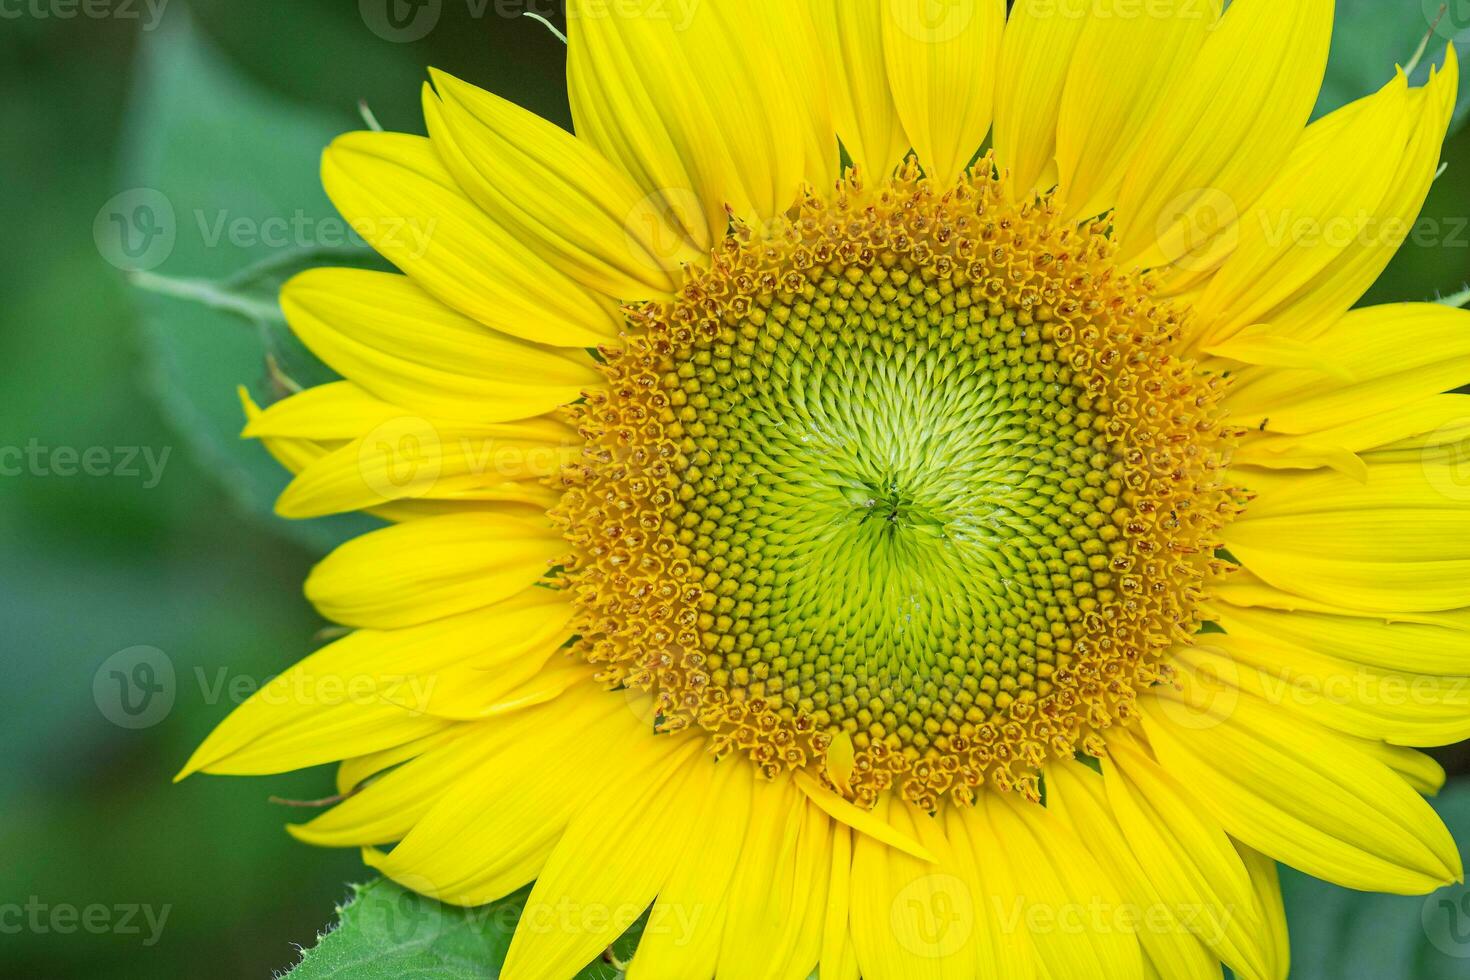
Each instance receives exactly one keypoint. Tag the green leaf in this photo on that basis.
(1336, 933)
(222, 205)
(389, 932)
(1371, 37)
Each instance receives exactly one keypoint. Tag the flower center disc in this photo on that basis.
(907, 490)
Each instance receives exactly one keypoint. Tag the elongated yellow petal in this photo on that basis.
(942, 61)
(1334, 290)
(1076, 793)
(1058, 879)
(851, 36)
(1035, 58)
(1002, 947)
(864, 821)
(909, 918)
(423, 570)
(330, 706)
(1389, 354)
(399, 343)
(394, 191)
(386, 809)
(1267, 885)
(1186, 854)
(353, 772)
(1423, 648)
(839, 959)
(1301, 794)
(1234, 119)
(691, 104)
(687, 922)
(780, 886)
(411, 457)
(1365, 702)
(793, 28)
(1306, 219)
(578, 907)
(338, 411)
(576, 210)
(1124, 71)
(492, 831)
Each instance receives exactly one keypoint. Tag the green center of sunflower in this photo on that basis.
(908, 492)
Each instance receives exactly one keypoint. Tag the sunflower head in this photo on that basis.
(916, 497)
(912, 469)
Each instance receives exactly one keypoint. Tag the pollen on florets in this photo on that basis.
(916, 466)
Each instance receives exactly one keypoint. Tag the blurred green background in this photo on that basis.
(219, 110)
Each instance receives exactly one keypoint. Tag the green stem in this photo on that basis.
(549, 25)
(214, 295)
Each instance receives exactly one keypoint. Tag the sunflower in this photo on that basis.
(902, 492)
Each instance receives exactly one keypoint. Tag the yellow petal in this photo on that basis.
(330, 706)
(864, 821)
(394, 191)
(411, 457)
(1234, 119)
(1424, 648)
(839, 959)
(1325, 201)
(1125, 69)
(577, 211)
(1059, 880)
(1076, 793)
(691, 104)
(337, 411)
(1364, 702)
(402, 345)
(909, 918)
(685, 926)
(1035, 58)
(1267, 885)
(423, 570)
(778, 896)
(1330, 293)
(1301, 794)
(386, 809)
(942, 61)
(851, 36)
(1389, 354)
(1186, 854)
(493, 829)
(1003, 947)
(580, 904)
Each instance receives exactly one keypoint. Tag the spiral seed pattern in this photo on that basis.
(907, 490)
